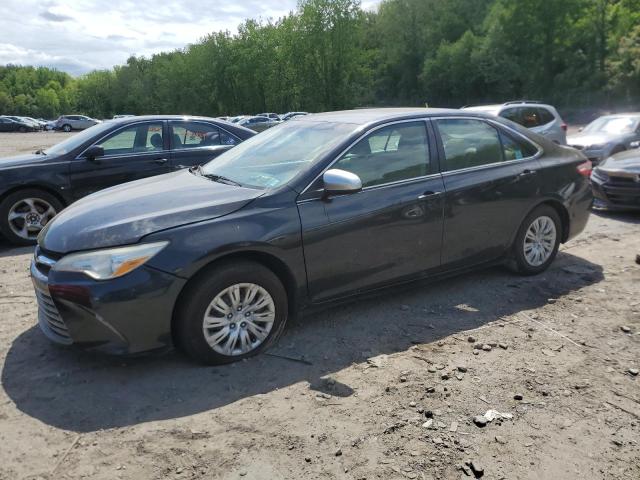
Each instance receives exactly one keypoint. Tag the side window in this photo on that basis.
(146, 137)
(468, 143)
(393, 153)
(516, 149)
(545, 116)
(513, 114)
(196, 134)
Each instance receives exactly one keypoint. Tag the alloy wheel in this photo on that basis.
(28, 216)
(239, 319)
(539, 241)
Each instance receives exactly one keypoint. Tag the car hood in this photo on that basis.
(22, 160)
(588, 139)
(628, 161)
(124, 214)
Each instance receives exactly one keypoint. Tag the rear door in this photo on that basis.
(132, 152)
(491, 180)
(197, 142)
(391, 229)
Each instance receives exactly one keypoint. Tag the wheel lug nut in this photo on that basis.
(247, 314)
(229, 316)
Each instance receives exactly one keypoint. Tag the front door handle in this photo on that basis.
(429, 194)
(527, 173)
(161, 161)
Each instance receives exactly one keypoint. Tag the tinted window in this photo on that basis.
(512, 114)
(545, 116)
(139, 138)
(469, 143)
(516, 149)
(196, 134)
(393, 153)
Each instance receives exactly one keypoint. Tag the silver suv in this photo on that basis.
(538, 117)
(74, 122)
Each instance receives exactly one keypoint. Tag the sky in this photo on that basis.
(77, 36)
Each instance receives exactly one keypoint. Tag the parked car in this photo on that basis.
(33, 188)
(216, 259)
(273, 116)
(616, 181)
(258, 123)
(607, 135)
(122, 115)
(40, 124)
(539, 117)
(290, 115)
(32, 123)
(9, 125)
(75, 122)
(237, 118)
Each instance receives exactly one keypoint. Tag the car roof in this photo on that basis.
(136, 118)
(366, 116)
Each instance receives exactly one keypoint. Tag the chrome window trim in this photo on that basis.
(80, 157)
(364, 135)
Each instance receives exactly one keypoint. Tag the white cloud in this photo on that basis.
(80, 35)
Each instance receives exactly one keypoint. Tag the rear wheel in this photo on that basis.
(24, 213)
(538, 240)
(231, 312)
(23, 129)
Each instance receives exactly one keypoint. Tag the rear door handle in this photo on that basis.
(429, 194)
(161, 161)
(527, 173)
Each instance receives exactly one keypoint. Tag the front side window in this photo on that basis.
(468, 143)
(390, 154)
(140, 138)
(197, 134)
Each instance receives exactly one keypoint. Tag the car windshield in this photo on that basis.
(612, 125)
(275, 156)
(78, 139)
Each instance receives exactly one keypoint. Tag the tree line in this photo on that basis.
(332, 54)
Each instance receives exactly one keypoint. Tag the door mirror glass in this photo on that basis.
(93, 152)
(341, 181)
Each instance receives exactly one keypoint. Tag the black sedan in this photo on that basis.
(217, 259)
(616, 182)
(10, 125)
(33, 188)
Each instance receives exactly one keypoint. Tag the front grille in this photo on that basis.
(49, 313)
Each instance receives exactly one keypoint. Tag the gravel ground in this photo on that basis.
(16, 143)
(382, 388)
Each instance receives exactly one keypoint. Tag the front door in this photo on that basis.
(197, 142)
(130, 153)
(490, 181)
(389, 230)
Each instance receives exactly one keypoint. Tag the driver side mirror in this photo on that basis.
(93, 152)
(341, 181)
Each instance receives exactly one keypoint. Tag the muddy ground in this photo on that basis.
(382, 388)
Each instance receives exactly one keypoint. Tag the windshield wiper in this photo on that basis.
(216, 178)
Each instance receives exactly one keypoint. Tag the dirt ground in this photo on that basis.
(382, 388)
(16, 143)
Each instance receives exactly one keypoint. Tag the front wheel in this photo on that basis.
(24, 213)
(538, 240)
(66, 128)
(230, 312)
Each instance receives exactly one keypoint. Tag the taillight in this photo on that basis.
(564, 127)
(585, 168)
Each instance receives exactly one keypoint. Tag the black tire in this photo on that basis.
(522, 265)
(66, 127)
(10, 200)
(200, 292)
(23, 129)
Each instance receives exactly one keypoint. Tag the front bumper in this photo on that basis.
(126, 315)
(616, 192)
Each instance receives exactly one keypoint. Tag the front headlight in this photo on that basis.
(109, 263)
